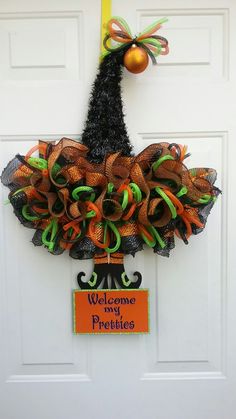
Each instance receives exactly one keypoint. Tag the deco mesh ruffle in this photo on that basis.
(117, 205)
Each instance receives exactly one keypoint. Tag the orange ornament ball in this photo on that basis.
(136, 59)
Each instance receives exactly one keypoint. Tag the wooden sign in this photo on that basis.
(110, 311)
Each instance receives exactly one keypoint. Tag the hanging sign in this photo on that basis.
(110, 311)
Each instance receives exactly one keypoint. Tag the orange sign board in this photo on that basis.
(110, 311)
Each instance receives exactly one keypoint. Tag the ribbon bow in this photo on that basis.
(119, 31)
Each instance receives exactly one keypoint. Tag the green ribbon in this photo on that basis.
(168, 201)
(77, 191)
(160, 161)
(204, 199)
(117, 235)
(136, 192)
(38, 163)
(26, 215)
(51, 230)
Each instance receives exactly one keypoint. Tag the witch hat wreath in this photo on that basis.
(95, 198)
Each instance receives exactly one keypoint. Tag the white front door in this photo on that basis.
(186, 367)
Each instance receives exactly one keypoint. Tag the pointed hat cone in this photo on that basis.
(105, 131)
